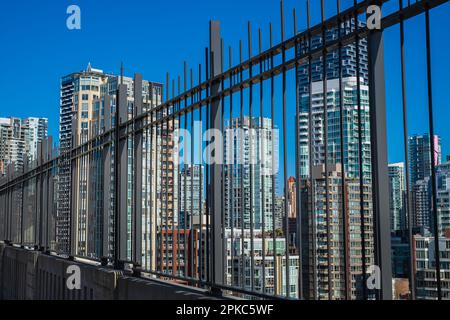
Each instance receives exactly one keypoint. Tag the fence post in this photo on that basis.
(106, 179)
(378, 135)
(121, 179)
(216, 169)
(137, 210)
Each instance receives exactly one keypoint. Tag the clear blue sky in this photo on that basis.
(156, 36)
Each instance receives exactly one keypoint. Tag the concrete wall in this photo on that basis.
(28, 275)
(17, 273)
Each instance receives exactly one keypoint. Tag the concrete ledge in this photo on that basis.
(17, 272)
(33, 275)
(130, 288)
(96, 283)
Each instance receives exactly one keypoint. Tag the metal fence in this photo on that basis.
(288, 198)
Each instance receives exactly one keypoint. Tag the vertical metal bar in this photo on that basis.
(40, 195)
(3, 211)
(285, 187)
(8, 204)
(22, 205)
(89, 197)
(73, 217)
(158, 220)
(412, 276)
(242, 168)
(262, 165)
(192, 172)
(179, 176)
(285, 183)
(138, 151)
(184, 185)
(231, 172)
(216, 169)
(297, 161)
(185, 226)
(180, 185)
(153, 191)
(50, 192)
(197, 232)
(432, 154)
(325, 130)
(165, 154)
(223, 222)
(201, 246)
(377, 99)
(208, 193)
(154, 159)
(361, 159)
(250, 164)
(312, 215)
(175, 248)
(162, 222)
(164, 183)
(343, 171)
(272, 117)
(121, 177)
(106, 178)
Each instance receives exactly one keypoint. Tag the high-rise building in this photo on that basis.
(278, 214)
(419, 149)
(350, 126)
(424, 250)
(37, 132)
(421, 204)
(77, 95)
(443, 197)
(251, 203)
(425, 266)
(397, 189)
(177, 247)
(249, 143)
(12, 143)
(19, 138)
(327, 246)
(268, 272)
(421, 158)
(163, 191)
(191, 195)
(335, 173)
(175, 253)
(80, 183)
(348, 56)
(317, 203)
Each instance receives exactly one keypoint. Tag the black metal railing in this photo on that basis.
(312, 107)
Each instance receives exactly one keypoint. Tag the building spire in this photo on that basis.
(89, 67)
